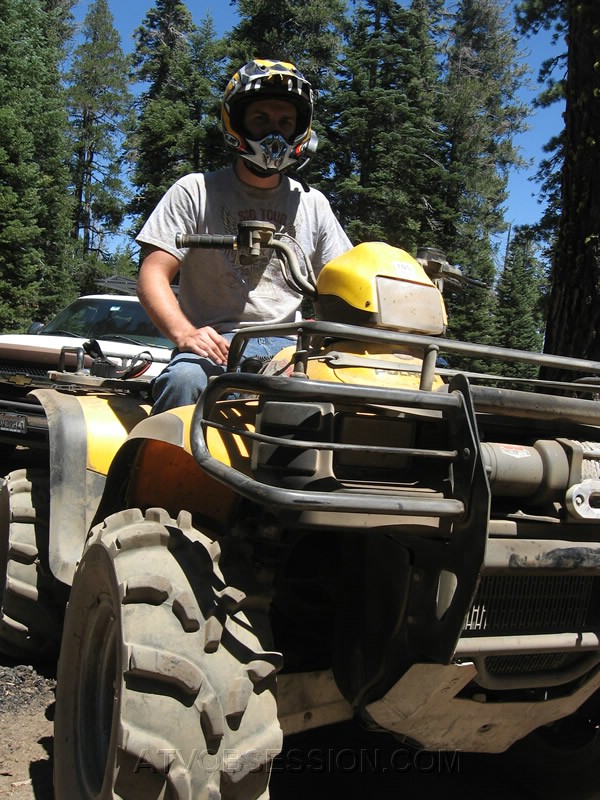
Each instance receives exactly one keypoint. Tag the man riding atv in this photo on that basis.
(266, 114)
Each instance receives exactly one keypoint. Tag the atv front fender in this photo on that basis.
(85, 432)
(155, 467)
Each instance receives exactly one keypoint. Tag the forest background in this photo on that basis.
(418, 111)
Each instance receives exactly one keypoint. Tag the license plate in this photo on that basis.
(13, 423)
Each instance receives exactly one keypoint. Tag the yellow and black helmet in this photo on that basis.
(262, 79)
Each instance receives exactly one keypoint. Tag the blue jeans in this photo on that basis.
(187, 374)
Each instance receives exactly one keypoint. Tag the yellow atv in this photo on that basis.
(355, 531)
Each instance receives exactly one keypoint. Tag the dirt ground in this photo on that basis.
(26, 770)
(341, 760)
(26, 710)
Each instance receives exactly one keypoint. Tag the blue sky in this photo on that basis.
(522, 207)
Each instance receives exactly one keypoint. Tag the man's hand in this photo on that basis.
(205, 342)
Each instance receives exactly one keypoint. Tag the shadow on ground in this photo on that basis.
(41, 772)
(345, 761)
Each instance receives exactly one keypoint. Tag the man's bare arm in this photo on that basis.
(157, 272)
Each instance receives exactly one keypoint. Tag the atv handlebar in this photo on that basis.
(435, 264)
(205, 240)
(252, 240)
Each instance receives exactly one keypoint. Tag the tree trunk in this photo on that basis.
(574, 310)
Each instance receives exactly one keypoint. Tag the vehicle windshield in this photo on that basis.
(111, 319)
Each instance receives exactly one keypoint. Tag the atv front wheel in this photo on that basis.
(165, 688)
(32, 601)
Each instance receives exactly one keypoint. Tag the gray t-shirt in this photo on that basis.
(214, 287)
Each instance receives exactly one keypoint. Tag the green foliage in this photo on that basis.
(34, 202)
(305, 32)
(175, 128)
(520, 292)
(574, 304)
(533, 16)
(415, 112)
(98, 103)
(385, 173)
(88, 268)
(481, 116)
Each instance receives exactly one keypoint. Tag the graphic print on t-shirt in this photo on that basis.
(261, 276)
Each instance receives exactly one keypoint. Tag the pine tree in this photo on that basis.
(574, 305)
(531, 19)
(481, 116)
(305, 32)
(385, 178)
(34, 204)
(174, 133)
(52, 155)
(423, 91)
(520, 293)
(98, 103)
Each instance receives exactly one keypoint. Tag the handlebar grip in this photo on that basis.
(206, 240)
(477, 283)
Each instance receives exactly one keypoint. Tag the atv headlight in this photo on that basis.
(413, 307)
